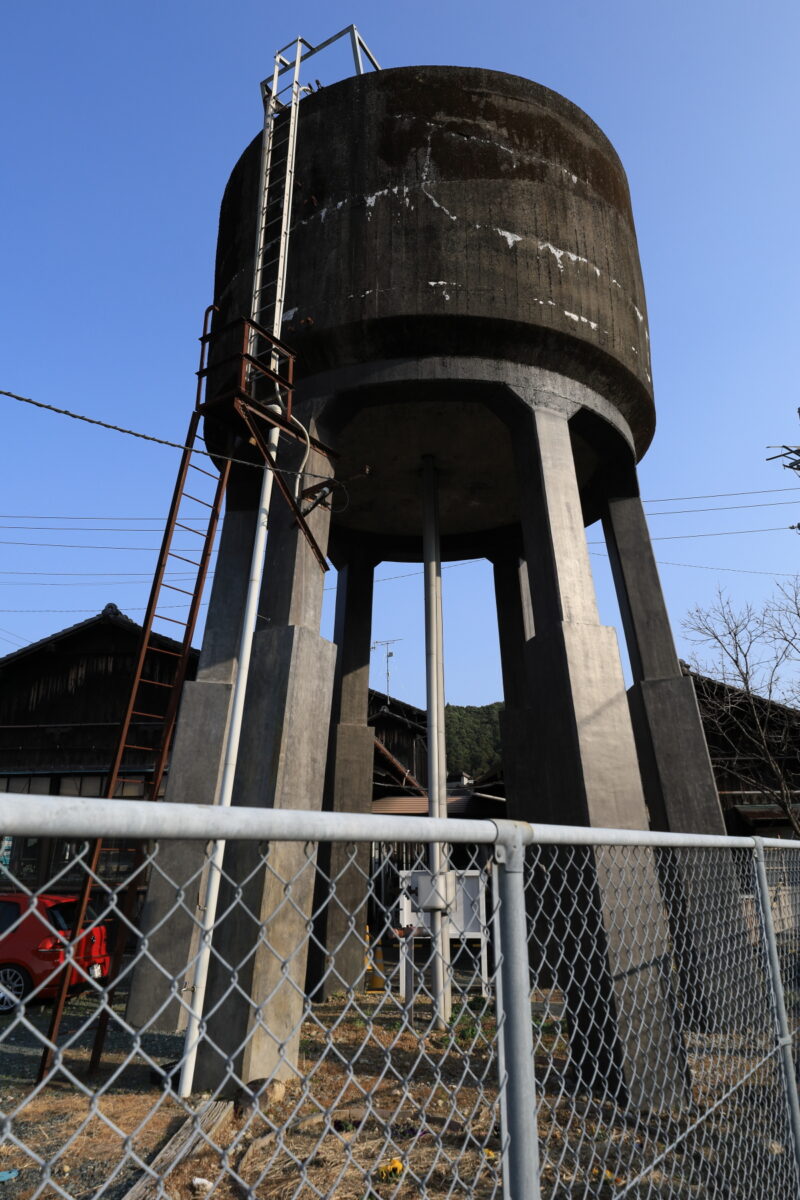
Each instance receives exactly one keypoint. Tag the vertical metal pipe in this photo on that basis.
(515, 1028)
(214, 873)
(355, 42)
(217, 851)
(499, 1010)
(437, 771)
(781, 1017)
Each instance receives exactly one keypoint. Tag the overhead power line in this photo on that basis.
(148, 437)
(115, 583)
(674, 512)
(706, 567)
(722, 495)
(84, 528)
(141, 608)
(677, 537)
(69, 517)
(70, 546)
(10, 634)
(146, 575)
(670, 512)
(191, 549)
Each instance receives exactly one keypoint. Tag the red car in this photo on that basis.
(34, 932)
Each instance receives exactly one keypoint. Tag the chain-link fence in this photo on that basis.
(305, 1010)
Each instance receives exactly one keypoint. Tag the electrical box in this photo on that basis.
(433, 893)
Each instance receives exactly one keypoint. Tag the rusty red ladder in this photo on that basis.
(155, 677)
(272, 362)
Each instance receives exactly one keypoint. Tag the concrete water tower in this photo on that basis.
(464, 284)
(465, 300)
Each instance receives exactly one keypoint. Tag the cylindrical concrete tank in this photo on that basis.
(450, 213)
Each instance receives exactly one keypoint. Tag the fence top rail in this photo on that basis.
(84, 817)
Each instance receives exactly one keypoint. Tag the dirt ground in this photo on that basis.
(379, 1108)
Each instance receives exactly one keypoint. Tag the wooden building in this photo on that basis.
(61, 703)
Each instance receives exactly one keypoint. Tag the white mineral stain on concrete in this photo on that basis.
(583, 320)
(426, 170)
(511, 238)
(444, 285)
(397, 190)
(559, 255)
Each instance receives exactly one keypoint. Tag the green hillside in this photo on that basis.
(473, 737)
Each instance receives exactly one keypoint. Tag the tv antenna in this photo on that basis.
(389, 654)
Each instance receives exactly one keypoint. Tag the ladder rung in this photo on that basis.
(197, 500)
(181, 557)
(154, 682)
(158, 649)
(172, 620)
(135, 746)
(139, 712)
(202, 470)
(172, 587)
(198, 532)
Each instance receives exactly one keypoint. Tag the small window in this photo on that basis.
(9, 911)
(61, 916)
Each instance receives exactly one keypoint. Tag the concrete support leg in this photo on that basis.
(515, 626)
(256, 985)
(622, 1020)
(194, 776)
(336, 963)
(676, 772)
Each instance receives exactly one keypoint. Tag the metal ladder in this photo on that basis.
(145, 735)
(278, 151)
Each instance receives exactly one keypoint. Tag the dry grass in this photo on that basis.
(378, 1109)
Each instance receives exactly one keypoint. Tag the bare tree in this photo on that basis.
(746, 677)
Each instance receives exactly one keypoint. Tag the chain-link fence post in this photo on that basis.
(515, 1028)
(776, 982)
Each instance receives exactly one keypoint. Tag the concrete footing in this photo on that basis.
(261, 938)
(336, 962)
(171, 928)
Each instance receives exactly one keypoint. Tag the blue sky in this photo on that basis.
(120, 125)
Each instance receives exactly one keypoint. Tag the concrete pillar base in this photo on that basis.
(682, 798)
(673, 756)
(587, 770)
(171, 933)
(620, 1009)
(519, 764)
(343, 913)
(261, 942)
